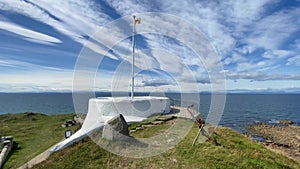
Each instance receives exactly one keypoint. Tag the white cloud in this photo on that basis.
(28, 34)
(22, 65)
(245, 11)
(101, 50)
(271, 31)
(36, 81)
(235, 58)
(236, 29)
(294, 61)
(128, 7)
(229, 23)
(75, 19)
(296, 44)
(273, 54)
(162, 51)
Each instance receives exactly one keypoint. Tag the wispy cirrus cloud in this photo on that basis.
(272, 31)
(231, 23)
(28, 34)
(256, 40)
(294, 61)
(22, 65)
(75, 19)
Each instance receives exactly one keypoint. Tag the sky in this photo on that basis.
(187, 46)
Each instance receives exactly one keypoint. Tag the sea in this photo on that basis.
(240, 109)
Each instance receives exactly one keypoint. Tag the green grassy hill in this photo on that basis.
(235, 151)
(35, 133)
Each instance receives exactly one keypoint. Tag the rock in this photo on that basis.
(174, 160)
(138, 128)
(170, 140)
(116, 129)
(165, 118)
(148, 125)
(286, 122)
(282, 137)
(70, 122)
(79, 118)
(132, 131)
(156, 144)
(269, 141)
(157, 122)
(28, 114)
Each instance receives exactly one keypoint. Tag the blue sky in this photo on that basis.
(257, 42)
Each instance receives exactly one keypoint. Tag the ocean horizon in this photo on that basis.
(241, 109)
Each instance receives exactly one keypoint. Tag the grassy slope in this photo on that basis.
(33, 134)
(235, 151)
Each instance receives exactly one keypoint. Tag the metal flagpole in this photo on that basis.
(135, 21)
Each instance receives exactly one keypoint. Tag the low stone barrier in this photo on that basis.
(7, 146)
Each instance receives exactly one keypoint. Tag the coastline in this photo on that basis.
(280, 138)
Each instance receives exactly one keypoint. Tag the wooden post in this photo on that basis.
(200, 123)
(196, 138)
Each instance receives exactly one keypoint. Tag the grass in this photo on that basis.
(235, 151)
(33, 133)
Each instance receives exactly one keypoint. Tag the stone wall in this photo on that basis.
(7, 146)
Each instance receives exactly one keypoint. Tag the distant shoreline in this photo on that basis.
(204, 92)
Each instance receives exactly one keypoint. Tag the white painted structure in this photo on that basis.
(143, 106)
(102, 109)
(133, 109)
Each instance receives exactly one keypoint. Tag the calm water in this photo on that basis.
(240, 109)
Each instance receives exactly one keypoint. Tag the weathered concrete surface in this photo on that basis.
(116, 129)
(7, 146)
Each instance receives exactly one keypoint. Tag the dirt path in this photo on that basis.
(284, 139)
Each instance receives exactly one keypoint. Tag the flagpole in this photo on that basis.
(132, 78)
(135, 21)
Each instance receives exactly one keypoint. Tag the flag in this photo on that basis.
(137, 21)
